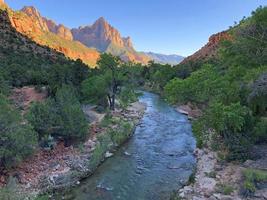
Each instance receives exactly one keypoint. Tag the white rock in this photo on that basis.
(108, 154)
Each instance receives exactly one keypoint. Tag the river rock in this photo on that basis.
(108, 154)
(261, 194)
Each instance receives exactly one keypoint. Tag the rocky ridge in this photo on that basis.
(210, 49)
(100, 36)
(35, 28)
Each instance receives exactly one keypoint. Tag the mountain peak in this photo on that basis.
(101, 22)
(101, 19)
(3, 4)
(31, 11)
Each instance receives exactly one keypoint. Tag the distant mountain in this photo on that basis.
(105, 38)
(165, 59)
(100, 36)
(85, 43)
(30, 23)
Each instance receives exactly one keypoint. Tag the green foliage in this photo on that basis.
(227, 88)
(17, 138)
(42, 117)
(60, 117)
(72, 121)
(111, 80)
(10, 191)
(126, 96)
(121, 133)
(252, 177)
(260, 131)
(43, 197)
(98, 155)
(225, 189)
(95, 90)
(228, 122)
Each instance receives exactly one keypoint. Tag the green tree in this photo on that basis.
(43, 117)
(109, 66)
(72, 121)
(17, 138)
(95, 90)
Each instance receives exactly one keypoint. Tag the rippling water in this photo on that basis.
(155, 161)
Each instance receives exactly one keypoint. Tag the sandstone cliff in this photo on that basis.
(210, 49)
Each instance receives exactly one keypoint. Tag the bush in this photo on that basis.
(17, 138)
(227, 122)
(72, 121)
(98, 155)
(43, 117)
(260, 131)
(252, 177)
(60, 117)
(225, 189)
(10, 191)
(122, 132)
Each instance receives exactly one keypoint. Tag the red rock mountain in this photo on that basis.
(210, 49)
(100, 36)
(47, 24)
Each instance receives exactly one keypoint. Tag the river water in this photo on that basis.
(151, 165)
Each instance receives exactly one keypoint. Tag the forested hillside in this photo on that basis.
(230, 88)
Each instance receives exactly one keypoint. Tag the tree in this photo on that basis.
(17, 138)
(105, 82)
(43, 117)
(109, 66)
(61, 116)
(95, 90)
(72, 121)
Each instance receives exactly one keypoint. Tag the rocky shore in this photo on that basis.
(64, 167)
(216, 179)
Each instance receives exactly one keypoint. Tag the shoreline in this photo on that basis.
(68, 169)
(216, 179)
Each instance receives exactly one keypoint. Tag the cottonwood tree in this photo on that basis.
(106, 81)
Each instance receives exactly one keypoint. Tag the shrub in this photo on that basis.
(225, 189)
(252, 177)
(17, 138)
(228, 122)
(121, 133)
(103, 145)
(10, 191)
(72, 121)
(43, 117)
(260, 131)
(60, 117)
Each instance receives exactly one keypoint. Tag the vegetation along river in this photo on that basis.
(151, 165)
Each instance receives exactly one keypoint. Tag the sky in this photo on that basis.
(162, 26)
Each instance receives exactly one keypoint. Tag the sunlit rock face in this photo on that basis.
(99, 35)
(84, 43)
(104, 37)
(210, 49)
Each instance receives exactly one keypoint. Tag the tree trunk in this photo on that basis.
(112, 106)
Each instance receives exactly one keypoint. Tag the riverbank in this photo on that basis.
(63, 167)
(216, 179)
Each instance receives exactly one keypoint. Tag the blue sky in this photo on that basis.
(163, 26)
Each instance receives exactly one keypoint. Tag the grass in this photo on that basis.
(251, 178)
(225, 189)
(102, 147)
(123, 131)
(43, 197)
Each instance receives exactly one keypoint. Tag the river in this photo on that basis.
(152, 164)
